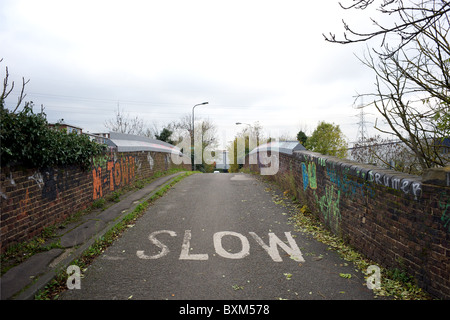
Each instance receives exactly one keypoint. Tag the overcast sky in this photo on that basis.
(252, 61)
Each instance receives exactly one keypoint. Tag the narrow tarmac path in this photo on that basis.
(218, 236)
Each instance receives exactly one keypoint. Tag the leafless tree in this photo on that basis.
(412, 77)
(7, 91)
(410, 20)
(122, 123)
(184, 124)
(386, 153)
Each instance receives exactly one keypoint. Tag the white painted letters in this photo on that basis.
(223, 253)
(164, 249)
(272, 249)
(186, 246)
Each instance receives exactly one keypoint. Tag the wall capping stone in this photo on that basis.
(407, 183)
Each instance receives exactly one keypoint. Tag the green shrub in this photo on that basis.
(27, 140)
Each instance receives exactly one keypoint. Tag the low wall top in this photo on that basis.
(407, 183)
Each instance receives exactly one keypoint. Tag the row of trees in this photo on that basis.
(326, 139)
(174, 132)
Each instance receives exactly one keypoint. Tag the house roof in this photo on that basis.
(64, 125)
(129, 143)
(287, 147)
(445, 142)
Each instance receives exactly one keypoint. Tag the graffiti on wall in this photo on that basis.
(406, 185)
(119, 172)
(52, 182)
(55, 181)
(329, 206)
(444, 205)
(305, 176)
(329, 202)
(362, 186)
(349, 187)
(358, 182)
(309, 175)
(343, 182)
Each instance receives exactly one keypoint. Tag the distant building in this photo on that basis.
(106, 135)
(287, 147)
(223, 160)
(443, 145)
(66, 127)
(98, 137)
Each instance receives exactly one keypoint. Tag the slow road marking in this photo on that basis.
(272, 248)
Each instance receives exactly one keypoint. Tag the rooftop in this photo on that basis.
(287, 147)
(129, 143)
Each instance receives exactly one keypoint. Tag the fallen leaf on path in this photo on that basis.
(288, 276)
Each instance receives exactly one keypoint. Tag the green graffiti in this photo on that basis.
(100, 161)
(312, 175)
(309, 175)
(322, 162)
(444, 204)
(329, 206)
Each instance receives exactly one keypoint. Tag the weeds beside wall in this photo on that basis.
(32, 199)
(398, 220)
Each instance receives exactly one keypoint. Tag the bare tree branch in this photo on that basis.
(7, 91)
(22, 95)
(122, 123)
(412, 19)
(412, 78)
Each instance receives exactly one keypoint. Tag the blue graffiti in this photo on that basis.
(349, 187)
(305, 176)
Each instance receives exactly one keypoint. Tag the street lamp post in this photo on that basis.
(239, 123)
(193, 132)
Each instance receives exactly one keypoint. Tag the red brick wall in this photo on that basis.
(392, 218)
(32, 199)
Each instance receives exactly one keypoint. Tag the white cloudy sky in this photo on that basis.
(252, 61)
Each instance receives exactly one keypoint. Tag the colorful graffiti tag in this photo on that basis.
(309, 175)
(119, 173)
(329, 206)
(347, 186)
